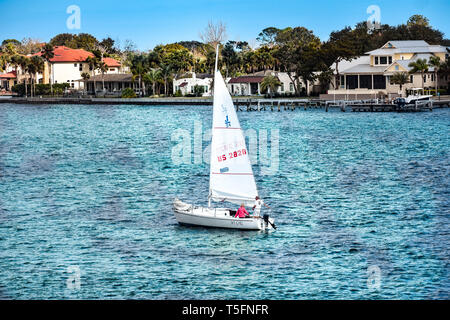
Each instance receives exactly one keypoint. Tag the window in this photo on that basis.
(425, 78)
(383, 60)
(282, 87)
(365, 81)
(80, 67)
(111, 69)
(379, 82)
(75, 65)
(411, 79)
(390, 60)
(396, 67)
(432, 77)
(291, 86)
(206, 89)
(376, 60)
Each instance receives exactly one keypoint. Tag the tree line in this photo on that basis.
(294, 50)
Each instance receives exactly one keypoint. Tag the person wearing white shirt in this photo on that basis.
(258, 204)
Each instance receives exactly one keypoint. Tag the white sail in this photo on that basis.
(231, 176)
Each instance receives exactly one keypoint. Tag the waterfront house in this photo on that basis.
(114, 83)
(370, 75)
(7, 81)
(186, 83)
(68, 64)
(250, 84)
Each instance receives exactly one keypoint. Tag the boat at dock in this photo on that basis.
(231, 176)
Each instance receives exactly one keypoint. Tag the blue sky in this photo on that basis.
(150, 22)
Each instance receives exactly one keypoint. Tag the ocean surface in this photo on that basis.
(361, 201)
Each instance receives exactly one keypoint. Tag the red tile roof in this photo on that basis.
(247, 79)
(184, 84)
(110, 62)
(65, 54)
(9, 75)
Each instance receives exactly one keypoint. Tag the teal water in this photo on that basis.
(92, 186)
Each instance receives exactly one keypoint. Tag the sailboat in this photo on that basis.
(231, 177)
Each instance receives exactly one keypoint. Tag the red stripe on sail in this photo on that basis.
(237, 174)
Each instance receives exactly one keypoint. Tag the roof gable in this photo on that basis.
(397, 44)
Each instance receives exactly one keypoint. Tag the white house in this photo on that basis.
(186, 84)
(68, 64)
(370, 75)
(251, 84)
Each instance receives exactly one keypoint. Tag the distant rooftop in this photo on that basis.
(65, 54)
(408, 46)
(405, 44)
(9, 75)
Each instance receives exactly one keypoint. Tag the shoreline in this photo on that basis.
(250, 104)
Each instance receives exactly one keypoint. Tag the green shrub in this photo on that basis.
(41, 89)
(198, 90)
(178, 93)
(128, 93)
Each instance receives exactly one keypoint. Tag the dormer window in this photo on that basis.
(383, 60)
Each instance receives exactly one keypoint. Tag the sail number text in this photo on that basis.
(232, 155)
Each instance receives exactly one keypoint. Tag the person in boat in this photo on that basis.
(258, 204)
(242, 213)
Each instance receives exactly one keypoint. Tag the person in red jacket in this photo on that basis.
(241, 213)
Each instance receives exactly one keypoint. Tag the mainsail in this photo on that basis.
(231, 176)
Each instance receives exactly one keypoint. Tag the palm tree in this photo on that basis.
(270, 82)
(85, 77)
(400, 78)
(166, 74)
(31, 69)
(420, 65)
(15, 62)
(435, 63)
(4, 60)
(152, 78)
(93, 63)
(23, 62)
(38, 65)
(102, 67)
(138, 68)
(47, 54)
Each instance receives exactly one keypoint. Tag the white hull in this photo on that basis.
(187, 214)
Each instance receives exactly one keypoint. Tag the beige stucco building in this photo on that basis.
(370, 75)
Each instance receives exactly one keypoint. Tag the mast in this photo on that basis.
(217, 58)
(214, 92)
